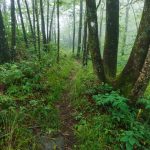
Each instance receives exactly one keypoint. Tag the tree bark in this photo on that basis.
(43, 25)
(126, 28)
(13, 30)
(58, 33)
(80, 29)
(34, 23)
(51, 22)
(111, 39)
(4, 49)
(93, 40)
(138, 55)
(38, 29)
(22, 23)
(142, 82)
(29, 17)
(85, 53)
(74, 26)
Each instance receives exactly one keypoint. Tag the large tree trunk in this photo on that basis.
(22, 23)
(143, 80)
(80, 29)
(13, 30)
(4, 50)
(93, 40)
(135, 63)
(111, 39)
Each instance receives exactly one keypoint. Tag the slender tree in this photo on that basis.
(85, 52)
(34, 23)
(80, 29)
(74, 26)
(43, 25)
(29, 18)
(38, 29)
(126, 28)
(51, 22)
(22, 23)
(58, 32)
(13, 30)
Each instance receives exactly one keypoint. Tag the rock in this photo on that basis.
(49, 143)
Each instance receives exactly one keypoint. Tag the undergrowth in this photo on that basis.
(106, 120)
(28, 90)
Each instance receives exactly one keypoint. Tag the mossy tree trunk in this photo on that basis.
(13, 30)
(4, 50)
(112, 37)
(143, 80)
(138, 55)
(93, 40)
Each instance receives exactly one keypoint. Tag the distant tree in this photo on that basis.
(126, 28)
(74, 25)
(80, 29)
(43, 24)
(38, 29)
(85, 49)
(22, 23)
(58, 33)
(13, 30)
(51, 22)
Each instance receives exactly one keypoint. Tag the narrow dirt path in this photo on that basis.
(66, 113)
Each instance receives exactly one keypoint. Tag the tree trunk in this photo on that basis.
(93, 40)
(74, 26)
(29, 17)
(43, 24)
(13, 30)
(111, 39)
(101, 23)
(4, 49)
(142, 82)
(38, 29)
(126, 28)
(48, 11)
(34, 23)
(58, 32)
(85, 53)
(22, 23)
(80, 29)
(51, 22)
(137, 57)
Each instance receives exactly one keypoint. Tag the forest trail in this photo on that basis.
(66, 111)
